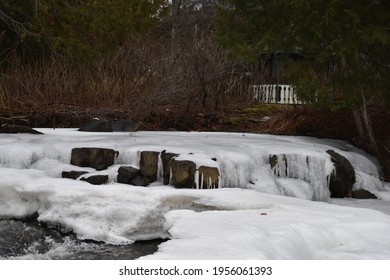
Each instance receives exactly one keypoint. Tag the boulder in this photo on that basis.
(183, 173)
(273, 161)
(363, 194)
(73, 174)
(110, 126)
(131, 176)
(138, 181)
(129, 172)
(124, 125)
(149, 166)
(97, 158)
(342, 180)
(96, 179)
(97, 126)
(166, 159)
(13, 129)
(208, 177)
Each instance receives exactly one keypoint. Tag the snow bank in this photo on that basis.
(249, 217)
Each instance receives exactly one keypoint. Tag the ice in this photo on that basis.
(280, 229)
(308, 168)
(199, 159)
(295, 188)
(255, 214)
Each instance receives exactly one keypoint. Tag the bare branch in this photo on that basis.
(13, 24)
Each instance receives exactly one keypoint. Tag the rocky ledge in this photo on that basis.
(187, 171)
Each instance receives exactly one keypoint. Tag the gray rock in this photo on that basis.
(13, 129)
(363, 194)
(110, 126)
(97, 126)
(129, 175)
(129, 171)
(97, 158)
(124, 125)
(342, 180)
(138, 181)
(96, 179)
(73, 174)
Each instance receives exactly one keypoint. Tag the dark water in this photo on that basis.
(31, 240)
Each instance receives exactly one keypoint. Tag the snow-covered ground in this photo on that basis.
(254, 215)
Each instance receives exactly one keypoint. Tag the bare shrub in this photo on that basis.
(185, 73)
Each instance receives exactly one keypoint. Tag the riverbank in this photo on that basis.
(298, 120)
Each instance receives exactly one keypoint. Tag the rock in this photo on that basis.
(96, 179)
(273, 161)
(183, 173)
(149, 166)
(73, 174)
(97, 158)
(166, 159)
(110, 126)
(363, 194)
(129, 171)
(124, 125)
(13, 129)
(131, 176)
(342, 180)
(208, 177)
(138, 181)
(97, 126)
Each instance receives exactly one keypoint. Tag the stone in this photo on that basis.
(96, 179)
(273, 161)
(129, 171)
(183, 173)
(138, 181)
(124, 125)
(97, 126)
(130, 175)
(208, 177)
(166, 159)
(73, 174)
(110, 126)
(341, 181)
(149, 166)
(363, 194)
(97, 158)
(13, 129)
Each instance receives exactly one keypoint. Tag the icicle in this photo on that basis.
(307, 168)
(197, 179)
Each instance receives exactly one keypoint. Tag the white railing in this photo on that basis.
(282, 94)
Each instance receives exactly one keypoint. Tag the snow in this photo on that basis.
(255, 214)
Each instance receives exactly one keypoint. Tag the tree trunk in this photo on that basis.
(365, 130)
(370, 131)
(359, 124)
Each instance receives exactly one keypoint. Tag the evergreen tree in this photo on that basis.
(343, 44)
(78, 30)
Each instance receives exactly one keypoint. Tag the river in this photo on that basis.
(30, 240)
